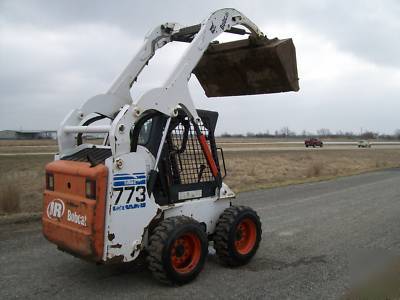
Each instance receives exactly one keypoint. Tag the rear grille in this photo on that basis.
(97, 155)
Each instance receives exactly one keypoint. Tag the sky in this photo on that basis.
(56, 54)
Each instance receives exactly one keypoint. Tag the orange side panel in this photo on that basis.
(70, 220)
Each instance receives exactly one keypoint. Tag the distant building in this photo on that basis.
(27, 134)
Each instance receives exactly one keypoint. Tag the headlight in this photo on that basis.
(50, 181)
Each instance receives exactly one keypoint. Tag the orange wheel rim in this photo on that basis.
(246, 236)
(186, 253)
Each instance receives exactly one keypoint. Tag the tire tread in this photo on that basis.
(222, 232)
(157, 242)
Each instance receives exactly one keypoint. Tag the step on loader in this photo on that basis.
(155, 185)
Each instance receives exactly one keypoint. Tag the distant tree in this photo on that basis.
(225, 134)
(262, 134)
(250, 134)
(305, 133)
(397, 134)
(286, 132)
(369, 135)
(349, 134)
(339, 133)
(325, 132)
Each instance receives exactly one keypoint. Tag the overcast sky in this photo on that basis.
(56, 54)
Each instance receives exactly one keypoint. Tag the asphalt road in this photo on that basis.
(316, 237)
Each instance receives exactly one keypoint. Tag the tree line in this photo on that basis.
(285, 132)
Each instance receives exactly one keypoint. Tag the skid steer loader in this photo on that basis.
(155, 186)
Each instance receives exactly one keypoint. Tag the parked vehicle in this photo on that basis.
(313, 142)
(364, 144)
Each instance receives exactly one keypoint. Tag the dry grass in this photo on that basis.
(28, 146)
(7, 143)
(22, 178)
(9, 197)
(251, 170)
(315, 169)
(35, 146)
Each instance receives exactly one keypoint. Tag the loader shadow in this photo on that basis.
(126, 276)
(129, 276)
(260, 263)
(103, 277)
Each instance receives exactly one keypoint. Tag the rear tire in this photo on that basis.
(177, 250)
(237, 235)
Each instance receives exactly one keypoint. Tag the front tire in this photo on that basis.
(177, 250)
(237, 235)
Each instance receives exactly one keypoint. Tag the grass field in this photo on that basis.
(22, 176)
(258, 169)
(21, 183)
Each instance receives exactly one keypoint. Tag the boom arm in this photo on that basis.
(173, 94)
(157, 38)
(118, 95)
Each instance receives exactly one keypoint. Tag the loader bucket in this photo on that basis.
(248, 67)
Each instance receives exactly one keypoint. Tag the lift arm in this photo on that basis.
(167, 98)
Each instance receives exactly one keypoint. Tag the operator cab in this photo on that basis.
(183, 171)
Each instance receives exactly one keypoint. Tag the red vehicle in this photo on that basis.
(313, 142)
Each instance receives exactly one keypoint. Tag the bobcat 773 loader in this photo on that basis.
(155, 186)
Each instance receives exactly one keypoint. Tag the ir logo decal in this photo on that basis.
(55, 209)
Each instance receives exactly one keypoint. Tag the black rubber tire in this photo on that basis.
(160, 246)
(225, 235)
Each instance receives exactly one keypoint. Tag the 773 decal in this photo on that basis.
(129, 197)
(140, 195)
